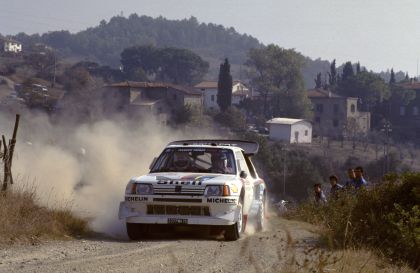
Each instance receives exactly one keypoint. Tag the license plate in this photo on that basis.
(177, 221)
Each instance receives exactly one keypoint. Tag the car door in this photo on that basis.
(247, 182)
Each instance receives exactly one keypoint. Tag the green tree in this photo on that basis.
(179, 66)
(367, 86)
(276, 74)
(348, 71)
(392, 80)
(232, 118)
(224, 86)
(318, 80)
(332, 75)
(358, 70)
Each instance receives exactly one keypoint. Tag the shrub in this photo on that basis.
(386, 217)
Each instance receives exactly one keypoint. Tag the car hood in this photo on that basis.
(184, 178)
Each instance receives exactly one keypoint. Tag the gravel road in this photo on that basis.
(282, 244)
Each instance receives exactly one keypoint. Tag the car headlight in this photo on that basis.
(217, 190)
(138, 188)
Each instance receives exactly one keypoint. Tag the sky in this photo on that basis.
(380, 34)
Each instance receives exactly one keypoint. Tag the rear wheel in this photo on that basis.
(137, 231)
(233, 232)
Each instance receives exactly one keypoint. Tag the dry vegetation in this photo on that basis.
(24, 220)
(385, 219)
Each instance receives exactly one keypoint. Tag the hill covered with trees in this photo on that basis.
(105, 42)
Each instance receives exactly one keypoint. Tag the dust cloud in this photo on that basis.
(87, 166)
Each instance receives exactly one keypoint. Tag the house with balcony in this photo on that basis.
(336, 116)
(209, 91)
(10, 46)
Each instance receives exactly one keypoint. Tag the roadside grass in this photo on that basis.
(349, 260)
(23, 220)
(384, 219)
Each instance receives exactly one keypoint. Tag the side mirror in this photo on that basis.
(153, 163)
(243, 174)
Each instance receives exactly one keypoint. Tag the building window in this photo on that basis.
(415, 111)
(402, 110)
(306, 132)
(317, 119)
(335, 108)
(319, 108)
(335, 123)
(353, 108)
(212, 97)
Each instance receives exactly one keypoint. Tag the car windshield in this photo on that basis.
(197, 160)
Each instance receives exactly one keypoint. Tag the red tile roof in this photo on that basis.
(321, 93)
(411, 85)
(184, 89)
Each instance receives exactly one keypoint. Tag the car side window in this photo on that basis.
(250, 166)
(242, 166)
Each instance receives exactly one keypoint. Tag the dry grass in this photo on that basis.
(24, 220)
(351, 261)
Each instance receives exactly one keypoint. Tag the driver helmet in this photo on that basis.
(219, 160)
(181, 160)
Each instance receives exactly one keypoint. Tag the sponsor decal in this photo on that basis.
(186, 180)
(136, 198)
(221, 200)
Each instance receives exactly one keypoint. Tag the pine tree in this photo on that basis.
(224, 86)
(318, 81)
(392, 79)
(358, 70)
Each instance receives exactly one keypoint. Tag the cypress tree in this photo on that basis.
(224, 86)
(318, 81)
(392, 79)
(333, 74)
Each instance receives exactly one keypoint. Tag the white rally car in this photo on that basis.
(197, 182)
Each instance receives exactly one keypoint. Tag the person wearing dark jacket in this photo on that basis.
(319, 194)
(335, 187)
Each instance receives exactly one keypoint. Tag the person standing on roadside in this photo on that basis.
(359, 181)
(351, 176)
(319, 194)
(335, 187)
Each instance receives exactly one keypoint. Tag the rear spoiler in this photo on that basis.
(249, 147)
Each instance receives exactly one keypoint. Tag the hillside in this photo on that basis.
(104, 42)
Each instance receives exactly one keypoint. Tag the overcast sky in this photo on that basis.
(381, 34)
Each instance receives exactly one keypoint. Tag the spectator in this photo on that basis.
(319, 194)
(359, 181)
(335, 187)
(351, 177)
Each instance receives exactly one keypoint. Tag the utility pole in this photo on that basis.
(284, 171)
(387, 130)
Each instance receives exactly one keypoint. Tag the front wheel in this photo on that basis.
(136, 231)
(233, 232)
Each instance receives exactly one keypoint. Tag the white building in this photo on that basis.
(7, 45)
(209, 90)
(290, 130)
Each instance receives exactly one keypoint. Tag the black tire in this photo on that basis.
(136, 231)
(233, 232)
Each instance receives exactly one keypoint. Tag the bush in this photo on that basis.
(386, 217)
(232, 118)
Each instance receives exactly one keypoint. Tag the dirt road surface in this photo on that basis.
(284, 244)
